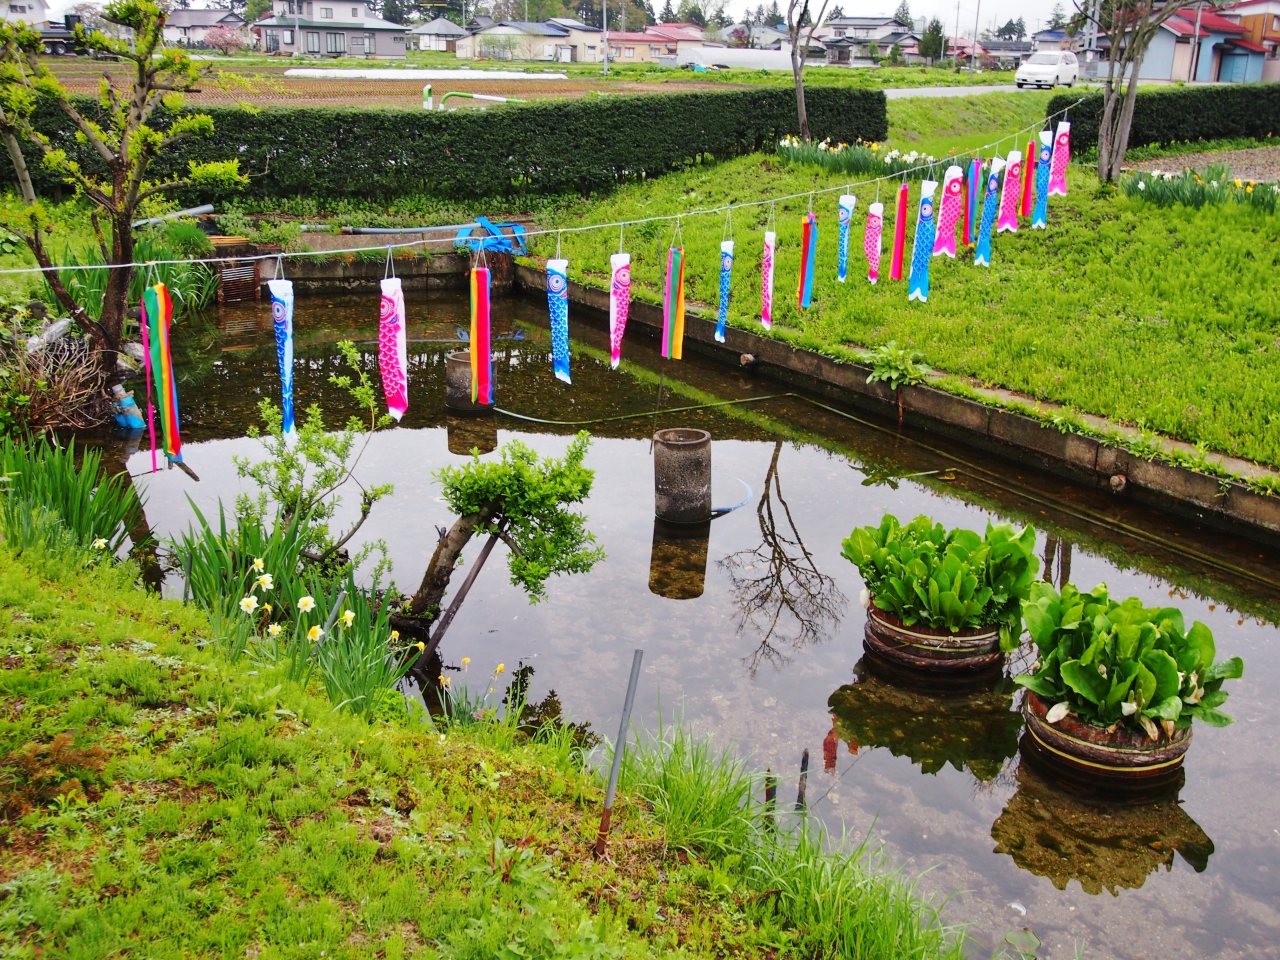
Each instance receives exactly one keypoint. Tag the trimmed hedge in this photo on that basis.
(552, 147)
(1177, 114)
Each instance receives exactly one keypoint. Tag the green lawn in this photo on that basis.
(1166, 318)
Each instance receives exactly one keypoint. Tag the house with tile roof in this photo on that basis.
(1261, 22)
(329, 28)
(439, 34)
(1220, 52)
(188, 27)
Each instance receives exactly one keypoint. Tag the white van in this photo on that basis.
(1049, 68)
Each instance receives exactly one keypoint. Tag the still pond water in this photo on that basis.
(755, 633)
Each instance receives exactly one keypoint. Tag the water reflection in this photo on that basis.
(466, 434)
(778, 583)
(678, 559)
(1103, 846)
(975, 730)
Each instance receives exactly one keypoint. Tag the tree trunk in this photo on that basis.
(1120, 143)
(797, 68)
(116, 301)
(436, 580)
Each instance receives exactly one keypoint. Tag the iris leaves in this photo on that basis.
(1123, 663)
(953, 581)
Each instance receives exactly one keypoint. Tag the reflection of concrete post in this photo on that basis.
(678, 561)
(457, 390)
(467, 433)
(682, 475)
(1050, 551)
(1064, 563)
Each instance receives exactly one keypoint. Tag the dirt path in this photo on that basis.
(1261, 164)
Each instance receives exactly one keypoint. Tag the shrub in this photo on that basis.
(1175, 114)
(946, 580)
(1112, 663)
(551, 147)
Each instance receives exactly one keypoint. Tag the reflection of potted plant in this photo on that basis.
(1116, 686)
(941, 601)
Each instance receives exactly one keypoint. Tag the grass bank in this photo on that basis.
(157, 799)
(1163, 318)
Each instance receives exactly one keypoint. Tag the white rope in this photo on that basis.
(619, 224)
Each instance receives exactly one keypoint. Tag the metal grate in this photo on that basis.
(237, 282)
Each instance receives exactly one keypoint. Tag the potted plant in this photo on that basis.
(938, 601)
(1116, 686)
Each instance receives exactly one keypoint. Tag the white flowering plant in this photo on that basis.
(1116, 664)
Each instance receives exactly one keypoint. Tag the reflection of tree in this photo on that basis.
(779, 578)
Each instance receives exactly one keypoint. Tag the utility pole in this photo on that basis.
(604, 10)
(955, 59)
(973, 53)
(1195, 38)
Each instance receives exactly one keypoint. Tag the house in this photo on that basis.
(329, 28)
(516, 40)
(964, 48)
(583, 44)
(861, 28)
(628, 46)
(1220, 53)
(1261, 22)
(188, 27)
(755, 36)
(440, 35)
(684, 28)
(1009, 54)
(26, 11)
(672, 40)
(1050, 40)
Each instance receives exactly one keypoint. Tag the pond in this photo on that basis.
(754, 633)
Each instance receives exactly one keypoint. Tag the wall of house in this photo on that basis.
(1158, 63)
(388, 43)
(1210, 51)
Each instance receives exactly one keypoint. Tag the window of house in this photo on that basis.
(271, 41)
(326, 13)
(313, 41)
(654, 52)
(16, 8)
(397, 39)
(355, 13)
(335, 42)
(287, 38)
(547, 50)
(629, 51)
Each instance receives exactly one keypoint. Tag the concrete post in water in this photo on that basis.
(602, 838)
(678, 560)
(457, 390)
(682, 475)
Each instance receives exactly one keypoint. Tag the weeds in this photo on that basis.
(1214, 187)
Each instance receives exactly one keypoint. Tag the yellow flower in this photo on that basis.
(501, 667)
(465, 661)
(267, 608)
(99, 544)
(421, 647)
(249, 604)
(1249, 188)
(273, 630)
(265, 582)
(360, 742)
(306, 605)
(448, 681)
(395, 634)
(1238, 183)
(314, 634)
(259, 564)
(348, 618)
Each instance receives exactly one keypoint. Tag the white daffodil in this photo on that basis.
(100, 544)
(314, 634)
(306, 605)
(259, 564)
(249, 604)
(348, 618)
(1057, 712)
(265, 582)
(864, 599)
(273, 630)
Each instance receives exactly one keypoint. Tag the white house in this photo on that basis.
(25, 11)
(188, 27)
(329, 28)
(440, 34)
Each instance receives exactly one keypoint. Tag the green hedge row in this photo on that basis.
(551, 147)
(1176, 114)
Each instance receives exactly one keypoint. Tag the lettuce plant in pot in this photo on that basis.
(946, 602)
(1117, 686)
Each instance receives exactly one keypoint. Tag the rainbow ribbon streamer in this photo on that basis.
(949, 211)
(558, 305)
(282, 320)
(673, 306)
(619, 304)
(1008, 218)
(1040, 216)
(1028, 169)
(972, 196)
(899, 234)
(847, 202)
(982, 256)
(481, 353)
(393, 351)
(157, 316)
(808, 257)
(918, 284)
(1061, 157)
(726, 274)
(767, 258)
(871, 240)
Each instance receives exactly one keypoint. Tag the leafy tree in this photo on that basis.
(668, 14)
(933, 44)
(1013, 30)
(774, 17)
(798, 18)
(254, 10)
(123, 138)
(835, 13)
(522, 501)
(1058, 18)
(895, 55)
(395, 11)
(903, 14)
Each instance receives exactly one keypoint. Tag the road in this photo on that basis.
(901, 93)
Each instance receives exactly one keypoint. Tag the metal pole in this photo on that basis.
(955, 60)
(604, 9)
(973, 52)
(602, 837)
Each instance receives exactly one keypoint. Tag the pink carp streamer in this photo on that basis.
(949, 212)
(766, 278)
(1061, 157)
(871, 240)
(619, 304)
(1008, 219)
(899, 234)
(393, 351)
(1028, 176)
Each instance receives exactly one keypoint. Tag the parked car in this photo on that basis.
(1048, 69)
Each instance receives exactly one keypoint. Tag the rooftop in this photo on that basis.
(440, 27)
(202, 17)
